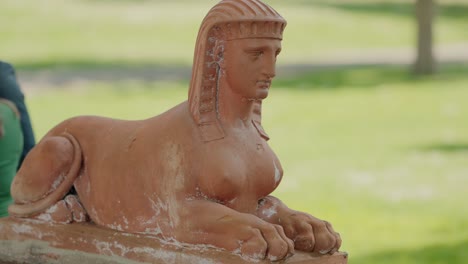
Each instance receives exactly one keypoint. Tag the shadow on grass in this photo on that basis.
(87, 64)
(302, 77)
(444, 253)
(447, 10)
(448, 148)
(59, 73)
(367, 77)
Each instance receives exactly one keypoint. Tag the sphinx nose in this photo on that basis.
(269, 68)
(271, 74)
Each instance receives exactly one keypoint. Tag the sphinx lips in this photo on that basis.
(264, 84)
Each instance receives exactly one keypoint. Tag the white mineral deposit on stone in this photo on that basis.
(269, 212)
(116, 226)
(119, 250)
(103, 247)
(277, 173)
(46, 216)
(156, 206)
(57, 182)
(153, 231)
(22, 229)
(238, 251)
(94, 214)
(28, 230)
(125, 221)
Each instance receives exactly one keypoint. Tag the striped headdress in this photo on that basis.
(228, 20)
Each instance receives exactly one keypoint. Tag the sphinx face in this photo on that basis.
(250, 66)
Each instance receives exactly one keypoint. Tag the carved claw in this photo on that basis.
(267, 241)
(311, 234)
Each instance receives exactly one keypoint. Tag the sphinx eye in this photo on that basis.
(278, 52)
(256, 53)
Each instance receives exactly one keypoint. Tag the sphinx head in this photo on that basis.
(232, 33)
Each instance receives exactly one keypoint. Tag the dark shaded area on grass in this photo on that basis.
(446, 147)
(366, 76)
(47, 74)
(301, 77)
(446, 10)
(435, 254)
(87, 64)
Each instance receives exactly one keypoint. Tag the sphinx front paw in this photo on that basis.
(311, 234)
(264, 241)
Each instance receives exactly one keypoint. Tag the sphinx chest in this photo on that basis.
(239, 172)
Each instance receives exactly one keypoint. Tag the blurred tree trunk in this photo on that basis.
(425, 62)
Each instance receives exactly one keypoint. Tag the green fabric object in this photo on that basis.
(11, 146)
(11, 91)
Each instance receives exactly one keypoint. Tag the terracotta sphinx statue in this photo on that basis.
(200, 173)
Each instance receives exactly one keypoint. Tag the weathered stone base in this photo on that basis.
(29, 241)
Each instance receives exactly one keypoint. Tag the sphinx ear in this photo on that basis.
(218, 53)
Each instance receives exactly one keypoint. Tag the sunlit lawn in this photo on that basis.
(380, 154)
(102, 32)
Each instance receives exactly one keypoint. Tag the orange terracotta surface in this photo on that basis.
(200, 174)
(42, 242)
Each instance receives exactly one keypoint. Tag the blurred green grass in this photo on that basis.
(84, 33)
(380, 154)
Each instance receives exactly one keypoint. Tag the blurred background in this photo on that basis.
(372, 136)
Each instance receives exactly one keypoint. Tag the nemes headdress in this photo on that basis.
(228, 20)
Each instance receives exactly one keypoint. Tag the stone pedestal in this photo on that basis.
(30, 241)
